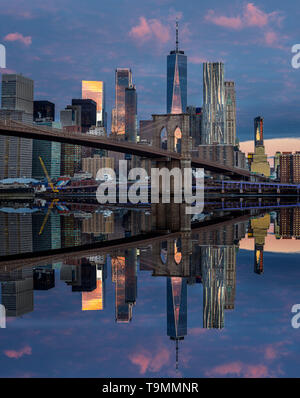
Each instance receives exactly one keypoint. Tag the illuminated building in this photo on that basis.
(230, 108)
(93, 301)
(214, 112)
(123, 80)
(95, 90)
(258, 230)
(131, 114)
(176, 80)
(260, 164)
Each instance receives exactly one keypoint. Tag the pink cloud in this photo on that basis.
(149, 29)
(239, 369)
(18, 354)
(27, 40)
(197, 60)
(227, 22)
(149, 361)
(251, 16)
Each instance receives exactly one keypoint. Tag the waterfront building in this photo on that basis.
(230, 109)
(95, 90)
(260, 164)
(176, 79)
(214, 111)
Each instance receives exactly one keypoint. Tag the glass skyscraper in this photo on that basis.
(176, 80)
(123, 81)
(214, 112)
(95, 90)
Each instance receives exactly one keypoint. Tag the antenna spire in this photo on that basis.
(177, 35)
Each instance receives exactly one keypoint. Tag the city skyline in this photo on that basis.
(274, 25)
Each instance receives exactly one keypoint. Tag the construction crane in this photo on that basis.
(54, 202)
(55, 190)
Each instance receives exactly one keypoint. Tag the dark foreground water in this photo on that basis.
(209, 299)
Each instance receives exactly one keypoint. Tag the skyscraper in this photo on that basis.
(260, 164)
(43, 111)
(88, 113)
(17, 104)
(123, 80)
(130, 113)
(95, 90)
(230, 108)
(176, 79)
(214, 115)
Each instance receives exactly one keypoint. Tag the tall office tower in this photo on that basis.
(230, 108)
(43, 111)
(213, 111)
(123, 80)
(176, 79)
(17, 93)
(95, 90)
(17, 104)
(70, 119)
(130, 114)
(88, 113)
(277, 164)
(260, 164)
(195, 123)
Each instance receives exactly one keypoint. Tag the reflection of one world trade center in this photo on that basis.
(176, 310)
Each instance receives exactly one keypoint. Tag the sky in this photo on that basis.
(62, 42)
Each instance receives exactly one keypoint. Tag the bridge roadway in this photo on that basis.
(17, 129)
(16, 261)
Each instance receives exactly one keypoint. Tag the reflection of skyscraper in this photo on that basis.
(259, 229)
(176, 310)
(123, 305)
(15, 233)
(95, 90)
(176, 80)
(213, 280)
(214, 116)
(259, 163)
(93, 301)
(123, 80)
(17, 294)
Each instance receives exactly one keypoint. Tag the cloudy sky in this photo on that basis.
(61, 42)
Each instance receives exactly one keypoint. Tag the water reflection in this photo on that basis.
(183, 252)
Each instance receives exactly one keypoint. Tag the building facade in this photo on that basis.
(17, 105)
(43, 111)
(176, 80)
(230, 108)
(214, 115)
(123, 80)
(95, 90)
(131, 114)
